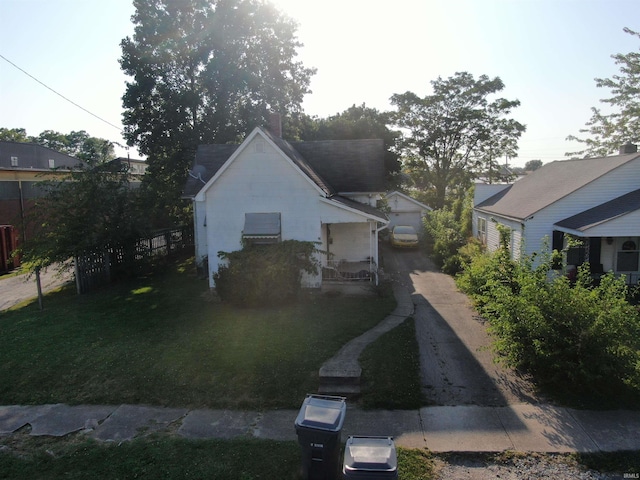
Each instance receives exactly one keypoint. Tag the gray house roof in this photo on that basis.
(334, 165)
(550, 183)
(603, 213)
(31, 156)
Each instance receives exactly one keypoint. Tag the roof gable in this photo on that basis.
(304, 169)
(603, 213)
(334, 166)
(549, 184)
(408, 199)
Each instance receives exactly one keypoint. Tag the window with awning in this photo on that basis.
(261, 228)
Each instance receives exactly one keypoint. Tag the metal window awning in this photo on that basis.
(261, 225)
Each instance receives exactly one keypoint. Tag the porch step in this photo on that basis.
(345, 386)
(341, 378)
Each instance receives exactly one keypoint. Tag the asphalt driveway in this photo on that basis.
(457, 365)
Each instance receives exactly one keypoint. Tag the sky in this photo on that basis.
(547, 53)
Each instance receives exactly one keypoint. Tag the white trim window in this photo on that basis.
(628, 256)
(482, 229)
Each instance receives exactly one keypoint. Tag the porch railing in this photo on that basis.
(345, 271)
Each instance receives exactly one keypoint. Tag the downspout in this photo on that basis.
(22, 224)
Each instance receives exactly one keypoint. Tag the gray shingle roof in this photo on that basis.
(31, 156)
(334, 165)
(603, 213)
(549, 184)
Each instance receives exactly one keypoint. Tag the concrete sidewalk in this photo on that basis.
(524, 428)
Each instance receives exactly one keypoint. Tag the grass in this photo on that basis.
(165, 457)
(161, 340)
(391, 370)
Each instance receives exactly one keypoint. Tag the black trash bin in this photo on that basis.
(319, 426)
(370, 458)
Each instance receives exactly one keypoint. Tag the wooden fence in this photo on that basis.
(100, 267)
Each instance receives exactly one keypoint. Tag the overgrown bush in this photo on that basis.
(447, 231)
(265, 274)
(574, 337)
(444, 238)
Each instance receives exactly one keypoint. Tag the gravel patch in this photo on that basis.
(516, 467)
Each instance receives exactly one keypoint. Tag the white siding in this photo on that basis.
(261, 179)
(624, 226)
(404, 211)
(260, 183)
(200, 231)
(493, 235)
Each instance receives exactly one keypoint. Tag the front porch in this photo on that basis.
(620, 255)
(345, 271)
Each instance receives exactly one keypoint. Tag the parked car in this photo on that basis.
(404, 236)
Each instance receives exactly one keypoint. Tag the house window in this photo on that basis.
(482, 229)
(261, 228)
(14, 161)
(52, 163)
(628, 255)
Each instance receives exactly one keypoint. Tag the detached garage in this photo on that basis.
(405, 210)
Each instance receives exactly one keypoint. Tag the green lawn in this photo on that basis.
(162, 341)
(171, 458)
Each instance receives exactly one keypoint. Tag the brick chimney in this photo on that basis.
(628, 148)
(275, 124)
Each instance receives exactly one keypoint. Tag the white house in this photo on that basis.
(595, 199)
(404, 210)
(267, 190)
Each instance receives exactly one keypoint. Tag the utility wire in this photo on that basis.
(60, 95)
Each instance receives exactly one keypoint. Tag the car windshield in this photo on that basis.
(404, 230)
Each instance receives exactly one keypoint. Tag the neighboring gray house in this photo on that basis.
(595, 199)
(267, 190)
(404, 210)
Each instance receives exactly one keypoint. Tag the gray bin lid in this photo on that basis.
(322, 413)
(370, 454)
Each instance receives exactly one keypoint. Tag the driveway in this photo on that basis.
(18, 288)
(457, 366)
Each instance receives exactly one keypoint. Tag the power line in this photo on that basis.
(60, 95)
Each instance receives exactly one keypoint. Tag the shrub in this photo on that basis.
(443, 235)
(577, 338)
(264, 274)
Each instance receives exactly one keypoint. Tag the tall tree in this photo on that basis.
(532, 165)
(204, 71)
(13, 135)
(455, 132)
(608, 131)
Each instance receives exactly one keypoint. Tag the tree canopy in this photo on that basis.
(84, 210)
(532, 165)
(456, 132)
(78, 144)
(606, 132)
(204, 71)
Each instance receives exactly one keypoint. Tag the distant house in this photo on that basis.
(136, 167)
(594, 199)
(267, 190)
(404, 210)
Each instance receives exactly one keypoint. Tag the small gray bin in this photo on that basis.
(319, 426)
(370, 458)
